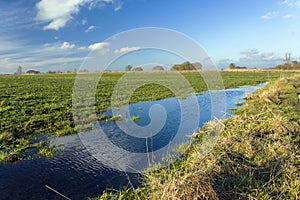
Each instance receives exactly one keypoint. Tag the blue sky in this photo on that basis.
(58, 35)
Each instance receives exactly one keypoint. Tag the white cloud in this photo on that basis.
(57, 13)
(43, 57)
(90, 28)
(250, 52)
(126, 50)
(284, 2)
(255, 58)
(291, 3)
(13, 23)
(251, 58)
(288, 16)
(98, 46)
(82, 48)
(84, 21)
(224, 63)
(118, 5)
(7, 45)
(271, 15)
(67, 45)
(254, 54)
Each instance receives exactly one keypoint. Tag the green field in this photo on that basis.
(32, 105)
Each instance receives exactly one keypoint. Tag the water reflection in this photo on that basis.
(78, 175)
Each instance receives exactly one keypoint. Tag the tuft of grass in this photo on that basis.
(116, 118)
(239, 103)
(3, 156)
(45, 149)
(47, 152)
(110, 118)
(135, 118)
(130, 194)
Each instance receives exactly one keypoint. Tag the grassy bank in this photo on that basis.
(257, 155)
(32, 105)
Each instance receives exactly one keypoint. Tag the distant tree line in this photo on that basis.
(233, 66)
(137, 69)
(294, 65)
(158, 68)
(33, 72)
(130, 68)
(177, 67)
(187, 66)
(288, 63)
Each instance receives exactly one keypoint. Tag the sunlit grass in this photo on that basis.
(257, 155)
(42, 104)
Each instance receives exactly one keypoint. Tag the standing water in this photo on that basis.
(75, 173)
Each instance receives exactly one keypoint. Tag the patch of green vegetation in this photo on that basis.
(3, 156)
(135, 118)
(257, 155)
(47, 151)
(116, 118)
(103, 118)
(42, 104)
(130, 194)
(239, 103)
(110, 118)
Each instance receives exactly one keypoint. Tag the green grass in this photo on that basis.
(42, 104)
(109, 118)
(135, 118)
(257, 155)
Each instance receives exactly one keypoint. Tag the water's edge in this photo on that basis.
(76, 173)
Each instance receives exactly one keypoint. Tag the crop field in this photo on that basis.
(35, 105)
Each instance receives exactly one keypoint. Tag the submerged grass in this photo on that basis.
(257, 155)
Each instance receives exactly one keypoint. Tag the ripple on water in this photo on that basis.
(76, 173)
